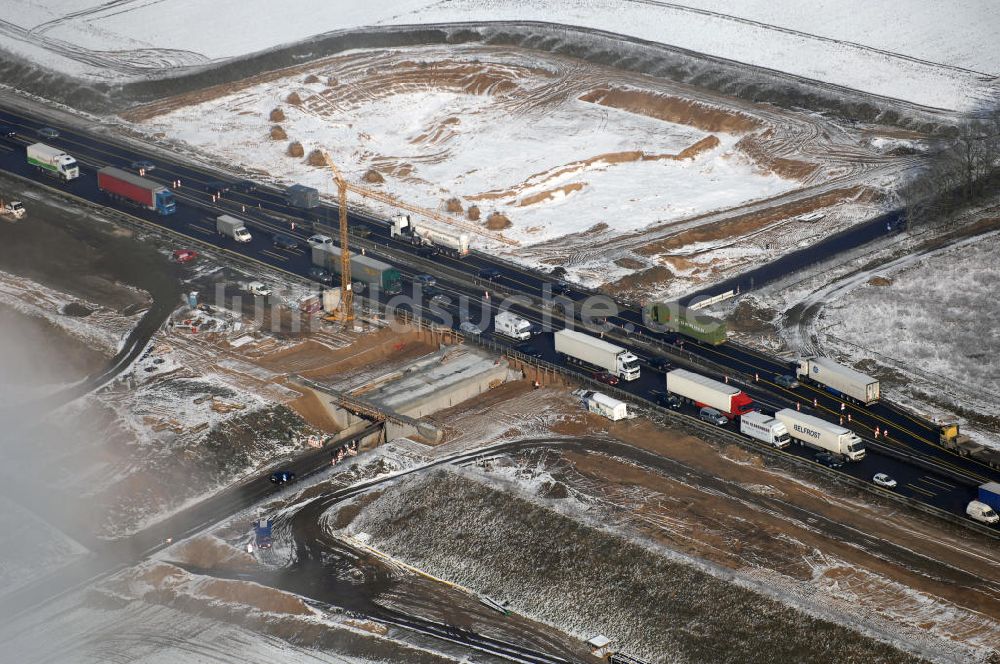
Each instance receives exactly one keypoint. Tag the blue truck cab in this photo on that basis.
(165, 202)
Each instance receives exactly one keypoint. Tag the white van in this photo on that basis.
(982, 512)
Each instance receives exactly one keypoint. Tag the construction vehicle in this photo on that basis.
(345, 313)
(950, 438)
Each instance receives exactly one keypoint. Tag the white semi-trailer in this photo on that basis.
(703, 391)
(765, 429)
(53, 161)
(822, 435)
(588, 350)
(839, 379)
(449, 242)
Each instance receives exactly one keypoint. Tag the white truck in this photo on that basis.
(703, 391)
(588, 350)
(13, 209)
(765, 429)
(449, 242)
(232, 227)
(822, 435)
(53, 161)
(839, 379)
(982, 512)
(510, 325)
(602, 404)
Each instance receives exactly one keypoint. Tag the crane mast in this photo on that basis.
(345, 312)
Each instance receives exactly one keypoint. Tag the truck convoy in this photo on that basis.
(232, 227)
(509, 325)
(591, 351)
(838, 379)
(124, 186)
(444, 241)
(702, 391)
(765, 429)
(53, 161)
(688, 322)
(373, 273)
(821, 435)
(301, 196)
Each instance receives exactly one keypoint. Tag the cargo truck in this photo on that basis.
(821, 435)
(765, 429)
(839, 380)
(301, 196)
(688, 322)
(53, 161)
(951, 438)
(370, 271)
(232, 227)
(602, 404)
(134, 190)
(451, 243)
(703, 391)
(593, 352)
(510, 325)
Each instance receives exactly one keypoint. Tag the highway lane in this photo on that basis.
(267, 214)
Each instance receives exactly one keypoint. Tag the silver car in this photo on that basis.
(470, 328)
(712, 416)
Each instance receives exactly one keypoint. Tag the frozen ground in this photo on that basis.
(925, 302)
(932, 54)
(31, 547)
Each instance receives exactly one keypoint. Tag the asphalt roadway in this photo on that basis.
(925, 471)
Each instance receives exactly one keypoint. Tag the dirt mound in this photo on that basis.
(473, 213)
(277, 115)
(316, 158)
(497, 222)
(637, 285)
(311, 78)
(748, 223)
(551, 194)
(294, 99)
(630, 263)
(790, 169)
(332, 82)
(372, 176)
(880, 281)
(210, 553)
(672, 109)
(704, 145)
(454, 206)
(295, 149)
(752, 317)
(278, 133)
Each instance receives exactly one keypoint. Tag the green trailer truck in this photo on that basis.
(688, 322)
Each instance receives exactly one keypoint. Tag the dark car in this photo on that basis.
(529, 350)
(360, 231)
(605, 377)
(829, 459)
(7, 132)
(786, 381)
(217, 187)
(667, 400)
(285, 241)
(282, 477)
(490, 273)
(425, 280)
(560, 288)
(48, 132)
(431, 292)
(660, 364)
(246, 186)
(142, 166)
(319, 274)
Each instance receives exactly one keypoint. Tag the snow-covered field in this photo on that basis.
(563, 171)
(915, 51)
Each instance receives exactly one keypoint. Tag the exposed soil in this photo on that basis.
(551, 194)
(672, 109)
(753, 146)
(276, 115)
(372, 176)
(278, 133)
(748, 223)
(497, 221)
(295, 149)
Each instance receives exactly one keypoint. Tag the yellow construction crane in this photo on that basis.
(345, 312)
